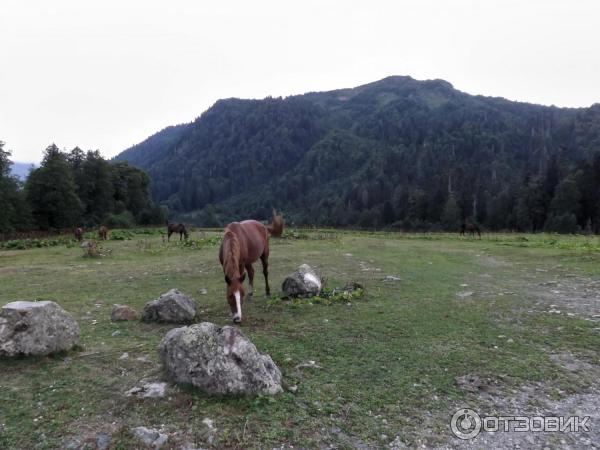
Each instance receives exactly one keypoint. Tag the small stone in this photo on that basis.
(172, 306)
(115, 333)
(102, 441)
(123, 313)
(148, 389)
(391, 278)
(308, 365)
(150, 437)
(464, 294)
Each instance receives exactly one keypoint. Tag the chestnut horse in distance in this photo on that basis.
(243, 243)
(176, 228)
(103, 233)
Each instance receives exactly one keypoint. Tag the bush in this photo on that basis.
(121, 235)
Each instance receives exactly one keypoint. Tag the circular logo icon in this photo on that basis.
(465, 423)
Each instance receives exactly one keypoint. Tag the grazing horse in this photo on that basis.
(471, 228)
(176, 228)
(243, 243)
(79, 233)
(103, 233)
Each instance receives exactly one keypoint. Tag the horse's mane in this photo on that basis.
(231, 254)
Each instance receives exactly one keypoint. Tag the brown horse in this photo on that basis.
(103, 233)
(176, 228)
(79, 233)
(243, 243)
(471, 228)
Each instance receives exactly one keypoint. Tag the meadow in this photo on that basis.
(506, 323)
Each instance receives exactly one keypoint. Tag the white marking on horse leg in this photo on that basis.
(237, 317)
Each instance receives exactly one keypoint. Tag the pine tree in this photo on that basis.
(51, 192)
(14, 211)
(96, 191)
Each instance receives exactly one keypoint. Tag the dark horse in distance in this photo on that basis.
(103, 233)
(471, 228)
(79, 233)
(176, 228)
(243, 243)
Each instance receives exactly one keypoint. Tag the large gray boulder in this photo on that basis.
(218, 360)
(173, 307)
(304, 282)
(36, 328)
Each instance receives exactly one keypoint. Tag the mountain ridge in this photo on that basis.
(398, 139)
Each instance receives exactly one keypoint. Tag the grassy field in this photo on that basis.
(513, 311)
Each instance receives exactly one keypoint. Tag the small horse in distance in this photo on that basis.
(103, 233)
(471, 228)
(78, 233)
(176, 228)
(243, 243)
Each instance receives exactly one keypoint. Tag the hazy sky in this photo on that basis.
(107, 74)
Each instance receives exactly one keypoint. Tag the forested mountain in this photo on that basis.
(398, 152)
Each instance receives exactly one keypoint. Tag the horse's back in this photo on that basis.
(254, 235)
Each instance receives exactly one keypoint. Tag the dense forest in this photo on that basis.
(401, 153)
(72, 189)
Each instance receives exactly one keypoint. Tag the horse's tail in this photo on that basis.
(276, 227)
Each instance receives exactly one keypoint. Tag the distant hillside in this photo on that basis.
(397, 152)
(21, 170)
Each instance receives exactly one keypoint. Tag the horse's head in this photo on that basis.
(235, 295)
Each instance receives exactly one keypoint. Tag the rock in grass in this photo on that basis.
(218, 360)
(173, 307)
(148, 389)
(304, 282)
(150, 437)
(36, 328)
(122, 313)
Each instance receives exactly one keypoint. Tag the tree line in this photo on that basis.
(73, 189)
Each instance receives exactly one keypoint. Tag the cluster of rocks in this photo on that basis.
(41, 328)
(217, 360)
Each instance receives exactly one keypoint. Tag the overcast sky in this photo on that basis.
(107, 74)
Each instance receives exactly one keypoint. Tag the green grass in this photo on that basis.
(388, 357)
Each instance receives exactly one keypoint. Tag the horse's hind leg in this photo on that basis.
(265, 263)
(250, 271)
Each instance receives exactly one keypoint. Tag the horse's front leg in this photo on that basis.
(265, 263)
(250, 271)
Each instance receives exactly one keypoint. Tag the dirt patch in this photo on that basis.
(534, 400)
(572, 296)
